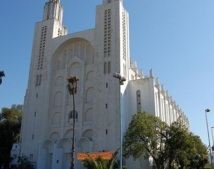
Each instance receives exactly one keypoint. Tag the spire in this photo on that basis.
(53, 9)
(157, 82)
(54, 1)
(109, 1)
(151, 73)
(141, 73)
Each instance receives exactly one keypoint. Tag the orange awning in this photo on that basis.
(104, 155)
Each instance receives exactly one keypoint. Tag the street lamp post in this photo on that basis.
(212, 138)
(206, 111)
(150, 162)
(72, 89)
(121, 80)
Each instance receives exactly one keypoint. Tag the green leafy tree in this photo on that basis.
(184, 148)
(10, 124)
(177, 144)
(198, 155)
(169, 146)
(144, 139)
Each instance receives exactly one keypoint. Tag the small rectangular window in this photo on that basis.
(109, 67)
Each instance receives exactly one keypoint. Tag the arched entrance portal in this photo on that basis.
(82, 145)
(46, 155)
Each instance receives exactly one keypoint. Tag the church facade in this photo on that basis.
(102, 104)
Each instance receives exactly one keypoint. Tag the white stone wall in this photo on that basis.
(155, 100)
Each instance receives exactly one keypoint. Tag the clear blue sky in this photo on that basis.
(175, 38)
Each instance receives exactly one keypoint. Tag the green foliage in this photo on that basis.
(185, 148)
(198, 154)
(177, 144)
(169, 146)
(98, 163)
(24, 163)
(142, 139)
(207, 166)
(10, 124)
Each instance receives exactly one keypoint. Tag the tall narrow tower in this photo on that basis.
(112, 55)
(35, 116)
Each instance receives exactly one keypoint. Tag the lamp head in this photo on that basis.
(2, 74)
(122, 79)
(207, 110)
(117, 75)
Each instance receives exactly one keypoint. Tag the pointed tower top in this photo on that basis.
(157, 82)
(162, 88)
(109, 1)
(151, 73)
(53, 9)
(141, 73)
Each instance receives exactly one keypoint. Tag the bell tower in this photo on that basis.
(112, 55)
(37, 91)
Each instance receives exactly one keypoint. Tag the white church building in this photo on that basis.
(93, 56)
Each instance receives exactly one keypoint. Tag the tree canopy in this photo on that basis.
(169, 146)
(10, 124)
